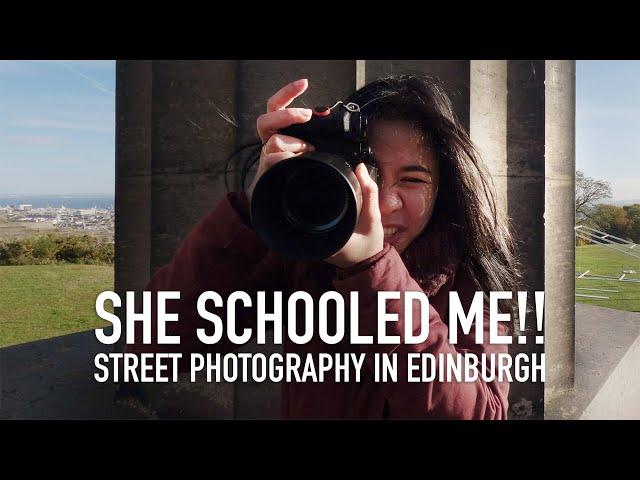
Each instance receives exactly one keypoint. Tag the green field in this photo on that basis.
(45, 301)
(601, 260)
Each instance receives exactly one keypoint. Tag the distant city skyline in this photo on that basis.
(58, 117)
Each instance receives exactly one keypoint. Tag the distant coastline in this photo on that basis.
(107, 201)
(101, 201)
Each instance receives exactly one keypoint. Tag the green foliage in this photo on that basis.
(633, 214)
(54, 248)
(622, 222)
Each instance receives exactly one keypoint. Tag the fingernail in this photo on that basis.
(322, 111)
(307, 112)
(299, 83)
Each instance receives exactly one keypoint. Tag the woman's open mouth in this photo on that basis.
(392, 234)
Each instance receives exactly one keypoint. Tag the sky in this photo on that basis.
(57, 126)
(608, 124)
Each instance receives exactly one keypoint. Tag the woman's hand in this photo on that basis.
(368, 237)
(280, 147)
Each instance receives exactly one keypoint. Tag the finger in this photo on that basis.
(270, 123)
(285, 143)
(370, 207)
(286, 95)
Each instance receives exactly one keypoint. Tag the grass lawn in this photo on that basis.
(45, 301)
(601, 260)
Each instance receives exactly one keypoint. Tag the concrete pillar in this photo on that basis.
(172, 142)
(525, 163)
(488, 121)
(329, 81)
(191, 141)
(132, 263)
(525, 205)
(522, 122)
(559, 245)
(190, 144)
(453, 74)
(133, 175)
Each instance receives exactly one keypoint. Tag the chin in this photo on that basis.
(400, 248)
(396, 242)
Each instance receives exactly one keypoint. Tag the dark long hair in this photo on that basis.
(465, 204)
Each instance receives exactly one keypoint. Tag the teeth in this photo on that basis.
(390, 231)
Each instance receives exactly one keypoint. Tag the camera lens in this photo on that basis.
(305, 208)
(314, 198)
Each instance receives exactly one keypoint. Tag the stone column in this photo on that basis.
(133, 175)
(488, 121)
(190, 143)
(522, 120)
(525, 205)
(329, 81)
(171, 145)
(559, 244)
(453, 74)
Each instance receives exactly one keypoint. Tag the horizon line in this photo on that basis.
(54, 194)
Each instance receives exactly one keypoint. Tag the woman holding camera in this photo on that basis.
(428, 224)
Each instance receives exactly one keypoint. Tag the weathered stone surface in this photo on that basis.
(559, 248)
(607, 352)
(53, 379)
(452, 74)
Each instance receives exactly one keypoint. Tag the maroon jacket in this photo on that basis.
(222, 253)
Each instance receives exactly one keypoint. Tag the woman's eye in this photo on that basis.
(413, 180)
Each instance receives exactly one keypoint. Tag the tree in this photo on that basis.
(633, 214)
(589, 191)
(610, 219)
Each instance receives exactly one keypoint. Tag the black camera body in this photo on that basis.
(307, 207)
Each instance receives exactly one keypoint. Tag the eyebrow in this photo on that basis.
(416, 168)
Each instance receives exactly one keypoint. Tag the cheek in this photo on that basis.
(418, 207)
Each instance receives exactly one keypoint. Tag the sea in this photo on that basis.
(100, 201)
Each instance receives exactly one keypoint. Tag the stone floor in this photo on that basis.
(53, 379)
(605, 340)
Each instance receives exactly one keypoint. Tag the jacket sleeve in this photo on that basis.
(224, 254)
(471, 400)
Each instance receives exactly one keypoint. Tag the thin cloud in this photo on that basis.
(96, 84)
(58, 124)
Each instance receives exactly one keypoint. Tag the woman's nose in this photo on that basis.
(389, 201)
